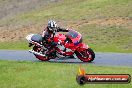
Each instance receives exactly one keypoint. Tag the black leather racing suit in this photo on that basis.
(48, 35)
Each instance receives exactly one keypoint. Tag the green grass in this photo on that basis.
(22, 74)
(74, 10)
(15, 45)
(107, 38)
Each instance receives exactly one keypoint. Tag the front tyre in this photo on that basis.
(86, 55)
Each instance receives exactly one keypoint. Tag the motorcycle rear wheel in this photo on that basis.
(35, 48)
(86, 55)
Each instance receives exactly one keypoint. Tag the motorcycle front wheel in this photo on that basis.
(86, 55)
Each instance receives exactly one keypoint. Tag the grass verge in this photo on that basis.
(15, 45)
(21, 74)
(74, 10)
(99, 38)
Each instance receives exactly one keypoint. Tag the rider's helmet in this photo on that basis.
(52, 25)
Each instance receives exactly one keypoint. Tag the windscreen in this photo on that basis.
(72, 34)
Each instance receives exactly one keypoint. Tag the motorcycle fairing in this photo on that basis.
(69, 47)
(82, 46)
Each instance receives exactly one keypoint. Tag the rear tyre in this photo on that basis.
(42, 58)
(86, 55)
(37, 49)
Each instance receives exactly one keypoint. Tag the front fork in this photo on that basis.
(81, 47)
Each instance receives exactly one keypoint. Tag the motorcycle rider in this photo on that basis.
(49, 32)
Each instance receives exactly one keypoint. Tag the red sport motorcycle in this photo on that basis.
(68, 45)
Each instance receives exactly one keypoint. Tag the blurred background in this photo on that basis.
(106, 25)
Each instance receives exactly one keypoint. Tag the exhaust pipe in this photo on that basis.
(36, 53)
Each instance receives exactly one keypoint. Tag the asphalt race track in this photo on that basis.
(102, 59)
